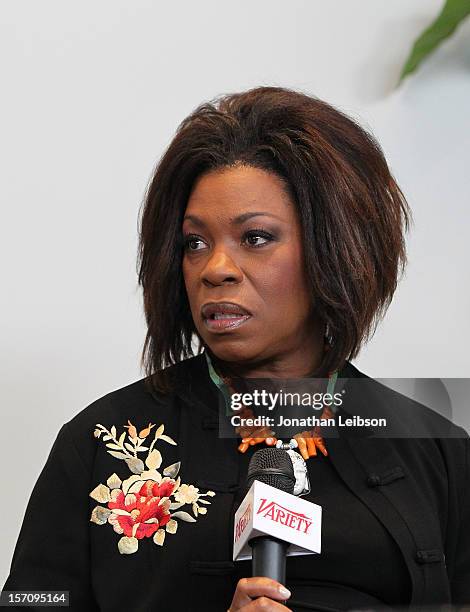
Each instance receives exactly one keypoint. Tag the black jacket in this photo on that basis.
(418, 489)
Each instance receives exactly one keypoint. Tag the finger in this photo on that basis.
(263, 603)
(249, 588)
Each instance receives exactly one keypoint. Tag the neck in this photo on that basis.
(298, 364)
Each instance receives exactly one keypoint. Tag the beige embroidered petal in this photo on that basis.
(113, 520)
(100, 515)
(114, 482)
(154, 459)
(127, 546)
(159, 537)
(100, 494)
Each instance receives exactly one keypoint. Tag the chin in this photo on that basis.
(231, 351)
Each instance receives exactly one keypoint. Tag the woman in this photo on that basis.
(272, 235)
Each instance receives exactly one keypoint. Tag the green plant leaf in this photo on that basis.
(452, 14)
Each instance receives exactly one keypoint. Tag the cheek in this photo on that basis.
(286, 274)
(189, 275)
(283, 287)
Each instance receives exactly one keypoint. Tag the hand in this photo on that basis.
(265, 590)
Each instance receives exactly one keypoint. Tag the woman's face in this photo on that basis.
(243, 268)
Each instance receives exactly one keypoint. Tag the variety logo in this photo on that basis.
(277, 513)
(242, 523)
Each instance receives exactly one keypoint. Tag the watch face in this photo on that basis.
(302, 483)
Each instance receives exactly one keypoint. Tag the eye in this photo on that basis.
(257, 237)
(192, 242)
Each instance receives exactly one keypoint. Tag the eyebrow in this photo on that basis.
(236, 221)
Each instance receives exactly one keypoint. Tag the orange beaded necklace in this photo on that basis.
(308, 442)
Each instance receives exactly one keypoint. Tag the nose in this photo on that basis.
(221, 268)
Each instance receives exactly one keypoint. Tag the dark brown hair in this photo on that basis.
(353, 215)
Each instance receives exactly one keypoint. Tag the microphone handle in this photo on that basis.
(269, 557)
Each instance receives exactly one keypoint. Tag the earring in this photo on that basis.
(328, 338)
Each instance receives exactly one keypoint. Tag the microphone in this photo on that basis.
(272, 523)
(273, 467)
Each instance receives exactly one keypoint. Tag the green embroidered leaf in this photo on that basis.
(121, 438)
(136, 465)
(452, 14)
(159, 431)
(113, 431)
(168, 439)
(172, 470)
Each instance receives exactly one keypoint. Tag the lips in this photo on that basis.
(217, 308)
(223, 316)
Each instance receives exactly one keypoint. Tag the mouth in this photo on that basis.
(223, 316)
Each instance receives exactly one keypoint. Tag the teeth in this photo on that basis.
(224, 315)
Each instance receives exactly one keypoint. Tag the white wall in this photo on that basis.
(91, 94)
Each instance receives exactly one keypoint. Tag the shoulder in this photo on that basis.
(136, 403)
(414, 406)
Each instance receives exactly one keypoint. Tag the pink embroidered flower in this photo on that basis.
(141, 514)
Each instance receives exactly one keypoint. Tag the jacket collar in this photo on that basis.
(370, 467)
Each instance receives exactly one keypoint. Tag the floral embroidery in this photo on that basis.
(142, 506)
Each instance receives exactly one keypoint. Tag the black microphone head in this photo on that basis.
(272, 466)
